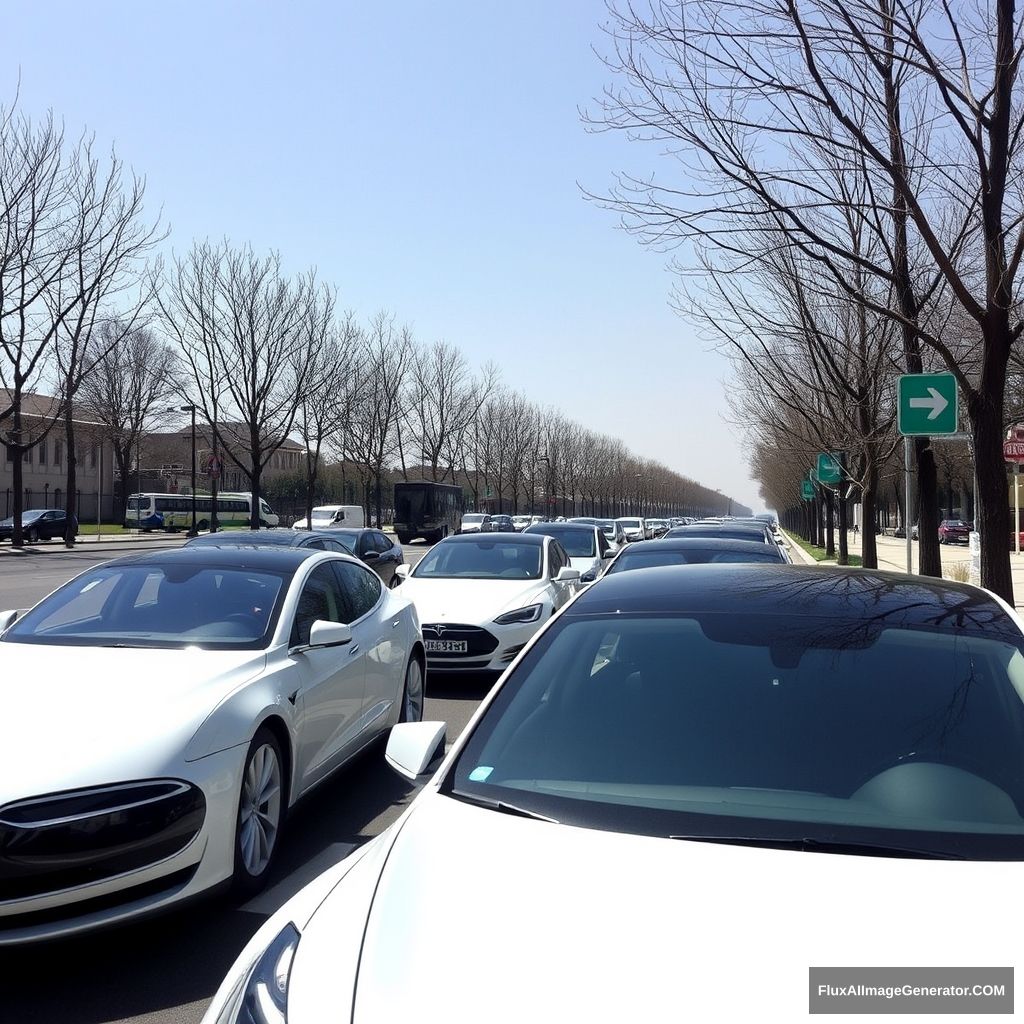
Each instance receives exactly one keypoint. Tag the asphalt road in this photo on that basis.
(165, 971)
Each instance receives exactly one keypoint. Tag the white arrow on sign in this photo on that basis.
(936, 403)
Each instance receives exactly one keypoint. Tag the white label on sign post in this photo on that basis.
(975, 549)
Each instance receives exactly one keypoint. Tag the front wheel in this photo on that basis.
(261, 812)
(412, 692)
(32, 536)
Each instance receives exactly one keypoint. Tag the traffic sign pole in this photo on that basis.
(906, 515)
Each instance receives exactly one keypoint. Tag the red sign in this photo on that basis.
(1013, 451)
(214, 466)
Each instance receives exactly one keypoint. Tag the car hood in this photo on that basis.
(470, 601)
(478, 915)
(82, 716)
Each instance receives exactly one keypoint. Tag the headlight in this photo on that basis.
(265, 996)
(531, 613)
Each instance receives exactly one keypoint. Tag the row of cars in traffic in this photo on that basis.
(702, 709)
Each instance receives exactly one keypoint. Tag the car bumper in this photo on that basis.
(205, 863)
(510, 641)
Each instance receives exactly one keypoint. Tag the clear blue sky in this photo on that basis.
(427, 159)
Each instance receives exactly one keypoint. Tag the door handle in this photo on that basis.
(353, 649)
(396, 623)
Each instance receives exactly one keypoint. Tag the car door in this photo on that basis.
(390, 557)
(604, 551)
(331, 680)
(380, 639)
(367, 550)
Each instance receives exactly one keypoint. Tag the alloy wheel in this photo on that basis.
(259, 816)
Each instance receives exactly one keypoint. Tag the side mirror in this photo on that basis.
(7, 618)
(329, 634)
(567, 575)
(402, 571)
(416, 748)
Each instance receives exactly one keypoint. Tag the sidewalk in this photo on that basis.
(892, 556)
(92, 542)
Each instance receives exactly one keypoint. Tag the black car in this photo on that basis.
(38, 524)
(724, 531)
(371, 546)
(694, 550)
(503, 524)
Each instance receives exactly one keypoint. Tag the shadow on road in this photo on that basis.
(181, 957)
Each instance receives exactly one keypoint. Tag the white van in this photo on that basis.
(326, 517)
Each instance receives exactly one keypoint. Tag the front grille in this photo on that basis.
(64, 840)
(478, 640)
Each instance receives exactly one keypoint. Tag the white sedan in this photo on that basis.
(164, 710)
(666, 810)
(481, 597)
(585, 544)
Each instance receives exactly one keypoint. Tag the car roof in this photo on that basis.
(274, 558)
(717, 530)
(699, 544)
(259, 538)
(495, 538)
(858, 595)
(554, 529)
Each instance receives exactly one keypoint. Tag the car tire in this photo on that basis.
(262, 808)
(32, 535)
(203, 524)
(264, 525)
(413, 691)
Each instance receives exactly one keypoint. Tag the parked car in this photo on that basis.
(824, 741)
(695, 550)
(521, 522)
(38, 524)
(475, 522)
(954, 531)
(329, 517)
(191, 698)
(502, 524)
(481, 598)
(725, 531)
(586, 545)
(376, 549)
(633, 527)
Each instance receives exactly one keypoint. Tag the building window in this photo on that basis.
(57, 503)
(93, 456)
(58, 452)
(42, 453)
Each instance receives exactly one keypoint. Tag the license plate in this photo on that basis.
(446, 646)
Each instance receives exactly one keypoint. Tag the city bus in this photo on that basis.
(428, 510)
(174, 511)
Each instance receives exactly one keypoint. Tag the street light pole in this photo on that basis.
(193, 532)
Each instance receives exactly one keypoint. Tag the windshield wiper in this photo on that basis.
(135, 647)
(864, 849)
(502, 806)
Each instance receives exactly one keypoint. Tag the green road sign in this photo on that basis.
(830, 469)
(807, 490)
(927, 405)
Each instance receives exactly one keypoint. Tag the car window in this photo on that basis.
(556, 558)
(313, 542)
(322, 598)
(383, 543)
(362, 587)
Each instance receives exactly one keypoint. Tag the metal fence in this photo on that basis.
(86, 502)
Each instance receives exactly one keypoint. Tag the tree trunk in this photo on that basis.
(868, 498)
(18, 482)
(928, 552)
(844, 550)
(830, 536)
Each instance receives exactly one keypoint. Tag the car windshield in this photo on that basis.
(323, 515)
(956, 523)
(162, 605)
(764, 728)
(473, 518)
(632, 524)
(482, 559)
(646, 559)
(578, 541)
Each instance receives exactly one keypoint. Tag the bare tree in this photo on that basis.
(135, 374)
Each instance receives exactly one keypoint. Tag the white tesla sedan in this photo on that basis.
(585, 544)
(668, 809)
(163, 711)
(481, 597)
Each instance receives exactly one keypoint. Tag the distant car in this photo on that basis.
(586, 545)
(725, 531)
(633, 527)
(38, 524)
(329, 517)
(613, 533)
(657, 527)
(481, 598)
(502, 524)
(954, 531)
(521, 522)
(377, 550)
(475, 522)
(695, 550)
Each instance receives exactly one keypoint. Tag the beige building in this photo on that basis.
(169, 455)
(44, 467)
